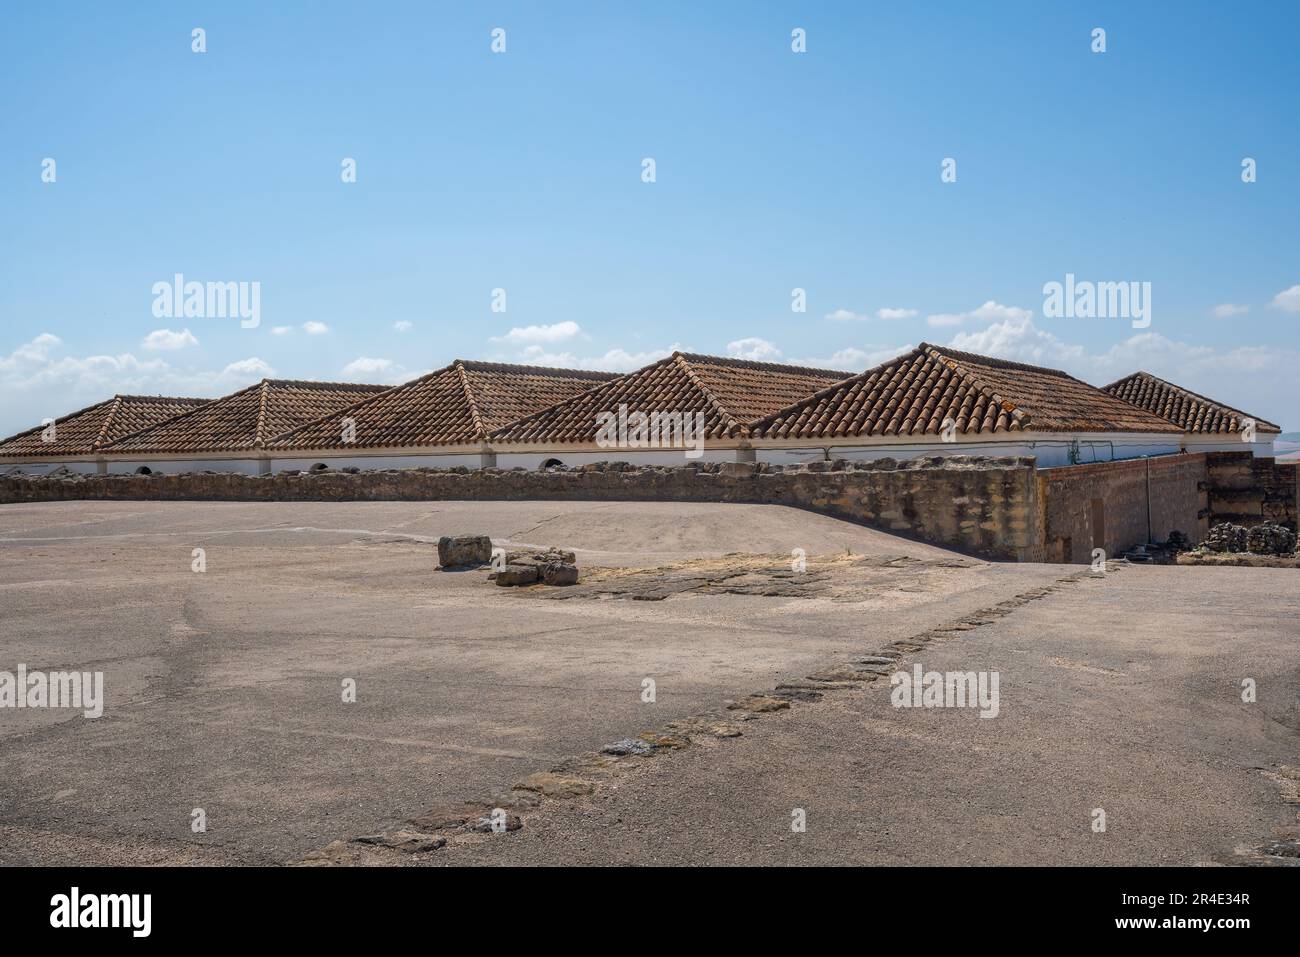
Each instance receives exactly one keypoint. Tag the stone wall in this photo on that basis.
(1104, 505)
(998, 508)
(980, 505)
(1249, 491)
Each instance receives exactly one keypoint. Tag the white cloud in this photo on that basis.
(34, 364)
(364, 365)
(281, 330)
(36, 381)
(246, 370)
(168, 341)
(36, 351)
(989, 312)
(754, 349)
(1258, 379)
(886, 313)
(556, 332)
(852, 359)
(378, 371)
(314, 328)
(1228, 309)
(1017, 339)
(403, 325)
(1288, 300)
(615, 360)
(845, 315)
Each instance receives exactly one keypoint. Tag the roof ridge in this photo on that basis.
(262, 399)
(959, 356)
(323, 383)
(684, 364)
(103, 429)
(481, 365)
(172, 399)
(480, 431)
(759, 365)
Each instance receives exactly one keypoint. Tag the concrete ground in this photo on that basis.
(1122, 694)
(223, 692)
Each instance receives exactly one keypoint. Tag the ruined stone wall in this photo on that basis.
(1104, 505)
(1249, 491)
(980, 505)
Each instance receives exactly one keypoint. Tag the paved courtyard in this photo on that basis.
(224, 691)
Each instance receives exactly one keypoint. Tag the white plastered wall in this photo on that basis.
(1262, 446)
(46, 466)
(668, 457)
(175, 466)
(375, 462)
(1050, 449)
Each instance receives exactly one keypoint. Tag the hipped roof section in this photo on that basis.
(456, 405)
(1192, 412)
(728, 393)
(88, 430)
(915, 393)
(244, 420)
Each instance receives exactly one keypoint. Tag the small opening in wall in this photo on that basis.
(144, 470)
(552, 464)
(320, 467)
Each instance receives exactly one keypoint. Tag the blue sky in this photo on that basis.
(522, 171)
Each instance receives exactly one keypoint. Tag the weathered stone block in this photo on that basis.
(464, 551)
(559, 573)
(517, 575)
(540, 557)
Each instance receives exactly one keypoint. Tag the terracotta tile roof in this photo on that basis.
(454, 406)
(728, 392)
(245, 419)
(89, 429)
(913, 394)
(1192, 412)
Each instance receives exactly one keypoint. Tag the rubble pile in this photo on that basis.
(1270, 539)
(549, 566)
(526, 566)
(1225, 537)
(1265, 539)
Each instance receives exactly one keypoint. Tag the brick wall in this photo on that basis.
(1104, 505)
(983, 506)
(1247, 490)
